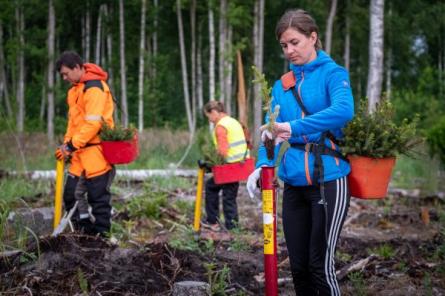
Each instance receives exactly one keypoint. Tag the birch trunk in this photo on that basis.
(3, 81)
(21, 69)
(50, 71)
(258, 38)
(99, 36)
(199, 83)
(375, 71)
(211, 55)
(228, 70)
(347, 48)
(241, 95)
(193, 56)
(87, 32)
(184, 67)
(141, 69)
(329, 26)
(109, 41)
(123, 70)
(155, 39)
(222, 41)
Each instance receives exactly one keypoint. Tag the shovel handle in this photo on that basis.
(197, 221)
(58, 193)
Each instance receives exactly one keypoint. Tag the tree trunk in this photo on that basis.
(221, 55)
(199, 83)
(87, 32)
(50, 71)
(211, 55)
(141, 69)
(329, 26)
(98, 35)
(228, 70)
(184, 67)
(375, 71)
(155, 40)
(241, 96)
(123, 70)
(347, 48)
(193, 55)
(3, 80)
(109, 41)
(21, 69)
(258, 40)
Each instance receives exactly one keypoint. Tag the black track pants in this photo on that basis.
(311, 251)
(99, 198)
(230, 208)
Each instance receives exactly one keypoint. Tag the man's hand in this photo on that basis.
(252, 181)
(281, 132)
(64, 151)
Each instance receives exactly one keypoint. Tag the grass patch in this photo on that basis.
(21, 191)
(385, 251)
(358, 283)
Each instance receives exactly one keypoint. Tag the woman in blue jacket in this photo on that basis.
(315, 101)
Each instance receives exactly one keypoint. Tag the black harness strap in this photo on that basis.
(318, 149)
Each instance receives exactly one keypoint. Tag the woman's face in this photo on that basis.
(298, 48)
(212, 116)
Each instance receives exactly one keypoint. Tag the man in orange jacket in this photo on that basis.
(90, 104)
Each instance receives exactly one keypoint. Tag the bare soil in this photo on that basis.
(395, 246)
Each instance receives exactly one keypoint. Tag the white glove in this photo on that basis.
(281, 132)
(252, 182)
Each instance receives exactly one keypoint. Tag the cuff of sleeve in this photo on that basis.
(70, 145)
(295, 128)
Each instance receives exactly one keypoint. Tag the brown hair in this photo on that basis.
(69, 59)
(299, 20)
(213, 105)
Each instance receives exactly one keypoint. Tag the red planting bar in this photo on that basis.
(268, 191)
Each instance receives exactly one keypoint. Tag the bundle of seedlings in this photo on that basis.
(266, 90)
(118, 133)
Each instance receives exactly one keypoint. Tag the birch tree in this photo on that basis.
(375, 68)
(199, 82)
(211, 54)
(185, 86)
(97, 56)
(20, 93)
(258, 41)
(193, 55)
(109, 41)
(221, 47)
(241, 95)
(329, 26)
(123, 69)
(3, 81)
(347, 45)
(155, 38)
(141, 68)
(50, 72)
(228, 69)
(87, 33)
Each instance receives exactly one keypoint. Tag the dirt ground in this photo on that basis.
(394, 246)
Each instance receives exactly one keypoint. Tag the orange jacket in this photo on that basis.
(90, 104)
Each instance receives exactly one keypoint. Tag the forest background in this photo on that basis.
(167, 58)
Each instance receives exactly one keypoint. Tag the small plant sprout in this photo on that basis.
(267, 106)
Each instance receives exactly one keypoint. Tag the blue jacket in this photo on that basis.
(326, 93)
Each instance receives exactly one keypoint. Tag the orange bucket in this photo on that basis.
(369, 177)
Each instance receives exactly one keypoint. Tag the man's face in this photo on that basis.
(71, 75)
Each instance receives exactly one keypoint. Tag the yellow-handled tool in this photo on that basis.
(198, 200)
(59, 191)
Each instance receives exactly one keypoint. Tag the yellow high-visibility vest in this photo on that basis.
(235, 137)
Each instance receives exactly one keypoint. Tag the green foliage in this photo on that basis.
(217, 279)
(83, 283)
(118, 133)
(385, 251)
(436, 139)
(358, 283)
(148, 205)
(376, 135)
(207, 147)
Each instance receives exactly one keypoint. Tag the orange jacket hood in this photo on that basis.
(93, 72)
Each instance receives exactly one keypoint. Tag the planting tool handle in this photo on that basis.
(58, 192)
(197, 220)
(268, 192)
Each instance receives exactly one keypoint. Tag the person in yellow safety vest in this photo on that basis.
(230, 142)
(90, 104)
